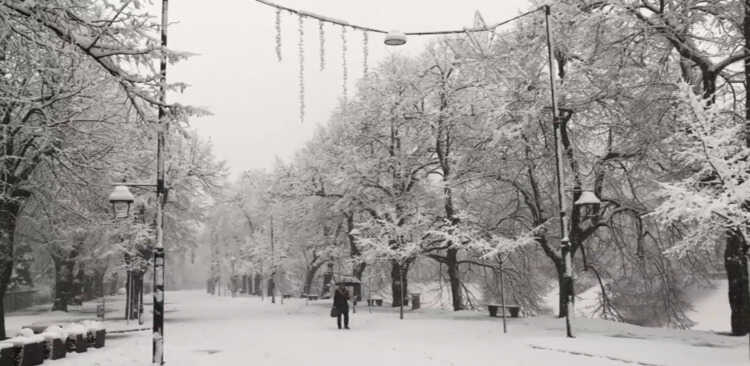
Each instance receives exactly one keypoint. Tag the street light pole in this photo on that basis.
(558, 122)
(401, 288)
(273, 268)
(502, 293)
(158, 326)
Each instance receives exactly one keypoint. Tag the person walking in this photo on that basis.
(340, 302)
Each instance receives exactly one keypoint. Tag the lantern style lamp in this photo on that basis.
(395, 38)
(590, 204)
(121, 200)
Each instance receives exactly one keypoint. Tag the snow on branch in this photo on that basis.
(391, 237)
(488, 245)
(713, 198)
(117, 50)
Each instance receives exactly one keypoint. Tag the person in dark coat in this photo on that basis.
(340, 302)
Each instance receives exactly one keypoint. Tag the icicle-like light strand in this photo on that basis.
(301, 47)
(278, 34)
(365, 51)
(322, 36)
(344, 71)
(376, 30)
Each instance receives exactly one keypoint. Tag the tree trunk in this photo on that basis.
(133, 294)
(357, 268)
(8, 214)
(709, 85)
(455, 280)
(327, 278)
(271, 288)
(140, 294)
(396, 284)
(114, 285)
(137, 295)
(90, 288)
(79, 286)
(257, 284)
(735, 263)
(309, 277)
(746, 31)
(564, 288)
(63, 281)
(736, 250)
(98, 283)
(62, 285)
(128, 285)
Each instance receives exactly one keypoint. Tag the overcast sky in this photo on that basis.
(254, 98)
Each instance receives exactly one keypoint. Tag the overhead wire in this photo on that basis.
(344, 23)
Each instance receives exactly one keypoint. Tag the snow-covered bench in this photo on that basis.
(374, 301)
(92, 332)
(76, 341)
(26, 349)
(512, 309)
(95, 333)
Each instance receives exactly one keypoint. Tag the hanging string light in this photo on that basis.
(322, 36)
(278, 34)
(344, 70)
(365, 51)
(301, 47)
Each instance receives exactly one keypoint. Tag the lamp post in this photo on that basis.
(121, 200)
(157, 354)
(272, 280)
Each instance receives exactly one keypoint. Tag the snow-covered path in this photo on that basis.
(206, 330)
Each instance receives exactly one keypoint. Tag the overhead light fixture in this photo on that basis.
(395, 38)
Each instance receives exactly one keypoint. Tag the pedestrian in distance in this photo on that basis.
(341, 305)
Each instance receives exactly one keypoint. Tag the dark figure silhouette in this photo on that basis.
(340, 302)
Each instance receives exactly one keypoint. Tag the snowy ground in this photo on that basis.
(710, 307)
(206, 330)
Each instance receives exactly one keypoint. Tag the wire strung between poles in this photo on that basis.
(344, 23)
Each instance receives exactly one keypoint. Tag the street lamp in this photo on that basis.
(589, 203)
(395, 38)
(121, 200)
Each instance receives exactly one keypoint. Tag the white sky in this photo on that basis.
(254, 98)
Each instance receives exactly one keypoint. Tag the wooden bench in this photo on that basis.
(312, 297)
(286, 296)
(512, 309)
(374, 301)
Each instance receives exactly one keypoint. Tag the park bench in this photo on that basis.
(513, 310)
(374, 301)
(312, 297)
(286, 296)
